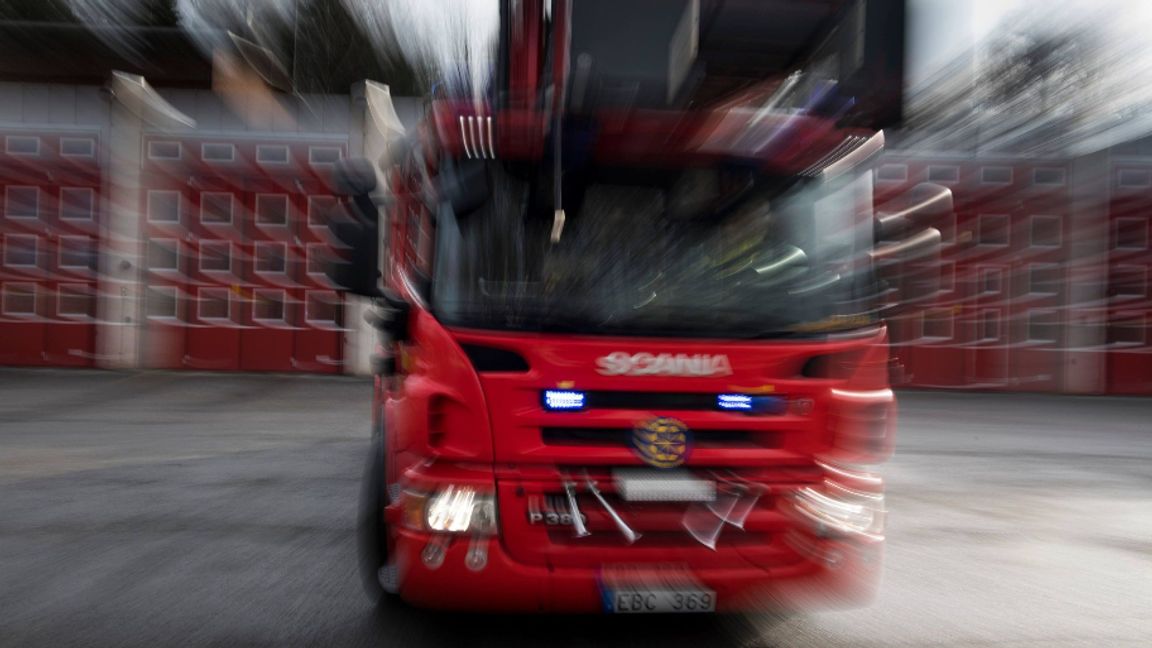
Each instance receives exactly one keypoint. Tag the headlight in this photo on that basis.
(453, 509)
(836, 510)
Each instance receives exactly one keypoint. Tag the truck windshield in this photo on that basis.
(672, 255)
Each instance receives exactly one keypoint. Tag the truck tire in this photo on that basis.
(371, 530)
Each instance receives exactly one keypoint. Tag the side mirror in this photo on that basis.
(392, 316)
(355, 229)
(907, 252)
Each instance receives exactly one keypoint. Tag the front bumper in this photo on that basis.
(825, 574)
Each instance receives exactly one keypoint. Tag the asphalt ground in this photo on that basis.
(161, 509)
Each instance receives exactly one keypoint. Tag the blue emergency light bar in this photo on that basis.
(564, 400)
(750, 404)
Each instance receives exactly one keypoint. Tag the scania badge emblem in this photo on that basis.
(662, 442)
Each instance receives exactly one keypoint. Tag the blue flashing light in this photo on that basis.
(750, 404)
(564, 400)
(734, 402)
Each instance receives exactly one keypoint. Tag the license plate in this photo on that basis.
(647, 601)
(645, 485)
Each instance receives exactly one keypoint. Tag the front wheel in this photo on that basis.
(371, 530)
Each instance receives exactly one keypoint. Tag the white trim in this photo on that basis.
(91, 203)
(985, 181)
(949, 317)
(5, 293)
(163, 243)
(152, 149)
(317, 294)
(261, 148)
(983, 318)
(984, 273)
(1063, 177)
(91, 141)
(282, 253)
(312, 150)
(204, 195)
(204, 146)
(1139, 323)
(8, 202)
(263, 197)
(283, 301)
(161, 290)
(164, 192)
(200, 292)
(8, 139)
(1146, 182)
(9, 238)
(1032, 230)
(1033, 268)
(980, 230)
(319, 223)
(87, 291)
(1137, 270)
(1143, 222)
(310, 254)
(200, 255)
(1033, 313)
(943, 167)
(87, 243)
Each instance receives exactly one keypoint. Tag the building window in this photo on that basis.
(947, 276)
(76, 301)
(216, 207)
(1129, 329)
(318, 155)
(993, 229)
(22, 202)
(1048, 177)
(218, 152)
(1131, 234)
(163, 206)
(215, 256)
(1043, 326)
(271, 256)
(164, 151)
(1044, 278)
(320, 209)
(1045, 231)
(161, 302)
(937, 323)
(948, 174)
(322, 308)
(1134, 178)
(163, 254)
(996, 175)
(317, 258)
(19, 299)
(271, 154)
(989, 325)
(272, 209)
(76, 252)
(1128, 281)
(78, 147)
(214, 304)
(22, 145)
(990, 280)
(892, 173)
(77, 203)
(21, 250)
(268, 306)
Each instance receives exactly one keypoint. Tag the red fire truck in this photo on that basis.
(633, 356)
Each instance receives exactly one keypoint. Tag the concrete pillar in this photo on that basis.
(1086, 276)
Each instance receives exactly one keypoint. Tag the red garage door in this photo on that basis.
(233, 238)
(49, 238)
